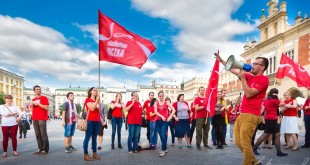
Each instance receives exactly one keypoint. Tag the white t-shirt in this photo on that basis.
(9, 120)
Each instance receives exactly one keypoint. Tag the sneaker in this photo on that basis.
(162, 154)
(198, 148)
(166, 151)
(172, 144)
(120, 147)
(72, 148)
(208, 147)
(43, 153)
(112, 147)
(282, 154)
(190, 147)
(37, 152)
(130, 152)
(136, 152)
(161, 151)
(99, 148)
(180, 147)
(67, 150)
(305, 146)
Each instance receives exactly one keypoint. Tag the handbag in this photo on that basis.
(110, 113)
(261, 126)
(144, 122)
(82, 124)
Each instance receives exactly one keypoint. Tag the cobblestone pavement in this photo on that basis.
(229, 155)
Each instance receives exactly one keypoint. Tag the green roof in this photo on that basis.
(146, 87)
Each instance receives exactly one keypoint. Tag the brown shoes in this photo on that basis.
(87, 158)
(95, 156)
(37, 152)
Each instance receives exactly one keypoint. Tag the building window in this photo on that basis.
(275, 28)
(266, 33)
(290, 54)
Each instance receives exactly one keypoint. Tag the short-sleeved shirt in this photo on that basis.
(253, 105)
(193, 111)
(203, 112)
(9, 120)
(134, 115)
(39, 113)
(118, 110)
(163, 110)
(290, 111)
(271, 109)
(147, 106)
(93, 115)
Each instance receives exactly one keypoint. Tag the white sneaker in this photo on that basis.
(166, 151)
(161, 151)
(162, 154)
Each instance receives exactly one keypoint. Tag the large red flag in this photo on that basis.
(118, 45)
(294, 71)
(211, 91)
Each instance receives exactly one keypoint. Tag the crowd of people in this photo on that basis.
(243, 114)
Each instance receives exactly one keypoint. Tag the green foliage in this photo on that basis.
(79, 108)
(60, 109)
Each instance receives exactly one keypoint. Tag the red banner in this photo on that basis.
(294, 71)
(118, 45)
(211, 91)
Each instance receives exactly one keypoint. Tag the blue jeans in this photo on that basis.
(231, 131)
(172, 130)
(224, 132)
(153, 133)
(307, 129)
(133, 133)
(162, 128)
(92, 131)
(116, 121)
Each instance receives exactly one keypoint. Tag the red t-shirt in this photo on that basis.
(93, 115)
(271, 109)
(307, 103)
(290, 111)
(193, 111)
(146, 106)
(118, 110)
(39, 113)
(163, 110)
(135, 113)
(203, 112)
(253, 105)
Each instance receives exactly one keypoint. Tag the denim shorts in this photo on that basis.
(69, 129)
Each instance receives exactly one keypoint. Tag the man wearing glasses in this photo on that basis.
(254, 86)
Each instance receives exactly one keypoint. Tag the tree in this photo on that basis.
(2, 98)
(79, 108)
(60, 109)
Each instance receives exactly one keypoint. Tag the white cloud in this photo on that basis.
(90, 29)
(149, 65)
(177, 72)
(205, 26)
(34, 48)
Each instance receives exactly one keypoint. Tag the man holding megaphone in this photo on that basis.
(254, 85)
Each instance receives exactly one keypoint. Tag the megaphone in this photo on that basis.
(233, 63)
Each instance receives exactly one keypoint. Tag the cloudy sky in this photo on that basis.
(54, 43)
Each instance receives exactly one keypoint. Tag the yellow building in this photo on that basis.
(11, 83)
(277, 36)
(190, 87)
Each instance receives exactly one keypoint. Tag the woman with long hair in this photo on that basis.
(289, 125)
(92, 104)
(232, 111)
(182, 117)
(218, 120)
(271, 106)
(117, 119)
(134, 120)
(163, 117)
(11, 115)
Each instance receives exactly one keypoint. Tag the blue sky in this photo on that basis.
(54, 43)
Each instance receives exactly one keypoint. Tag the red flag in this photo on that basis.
(118, 45)
(211, 91)
(294, 71)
